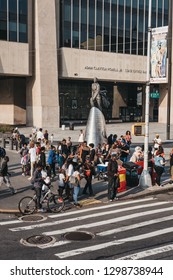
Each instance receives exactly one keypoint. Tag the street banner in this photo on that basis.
(159, 55)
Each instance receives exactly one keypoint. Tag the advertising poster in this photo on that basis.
(159, 55)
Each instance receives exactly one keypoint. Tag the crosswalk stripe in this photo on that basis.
(100, 207)
(112, 243)
(122, 229)
(79, 218)
(142, 224)
(10, 222)
(56, 244)
(108, 221)
(148, 253)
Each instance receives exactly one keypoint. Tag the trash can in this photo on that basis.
(131, 174)
(71, 126)
(63, 127)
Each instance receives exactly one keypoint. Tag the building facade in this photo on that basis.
(50, 51)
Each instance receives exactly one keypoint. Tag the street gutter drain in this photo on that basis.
(32, 218)
(38, 241)
(78, 236)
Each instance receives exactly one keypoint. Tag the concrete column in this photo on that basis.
(42, 102)
(118, 101)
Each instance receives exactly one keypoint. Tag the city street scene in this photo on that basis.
(86, 130)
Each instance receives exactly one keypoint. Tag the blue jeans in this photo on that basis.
(75, 193)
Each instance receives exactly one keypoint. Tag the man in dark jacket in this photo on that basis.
(113, 179)
(4, 174)
(37, 181)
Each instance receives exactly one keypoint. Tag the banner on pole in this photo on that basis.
(159, 55)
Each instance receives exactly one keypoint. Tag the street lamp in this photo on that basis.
(145, 179)
(63, 104)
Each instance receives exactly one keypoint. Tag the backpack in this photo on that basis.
(2, 152)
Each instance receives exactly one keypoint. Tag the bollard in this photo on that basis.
(3, 141)
(11, 143)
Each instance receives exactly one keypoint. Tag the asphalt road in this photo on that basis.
(136, 229)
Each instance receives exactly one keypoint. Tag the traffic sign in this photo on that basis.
(155, 94)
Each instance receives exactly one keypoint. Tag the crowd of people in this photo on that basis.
(68, 164)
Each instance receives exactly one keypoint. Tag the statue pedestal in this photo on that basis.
(96, 128)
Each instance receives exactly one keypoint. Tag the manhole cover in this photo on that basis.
(78, 236)
(32, 218)
(38, 241)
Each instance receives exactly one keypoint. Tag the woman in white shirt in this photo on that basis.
(32, 156)
(76, 187)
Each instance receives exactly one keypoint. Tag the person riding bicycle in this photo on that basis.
(38, 181)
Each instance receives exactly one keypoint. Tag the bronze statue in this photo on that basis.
(98, 97)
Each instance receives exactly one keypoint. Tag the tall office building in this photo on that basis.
(50, 51)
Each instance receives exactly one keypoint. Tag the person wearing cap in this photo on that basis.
(113, 177)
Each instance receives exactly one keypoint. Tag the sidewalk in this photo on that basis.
(114, 128)
(9, 203)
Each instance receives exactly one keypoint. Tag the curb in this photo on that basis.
(96, 201)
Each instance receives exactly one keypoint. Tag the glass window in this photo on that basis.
(159, 13)
(99, 26)
(106, 25)
(91, 35)
(127, 26)
(113, 25)
(13, 20)
(75, 23)
(3, 20)
(166, 12)
(134, 26)
(153, 14)
(140, 28)
(83, 43)
(120, 26)
(65, 26)
(23, 10)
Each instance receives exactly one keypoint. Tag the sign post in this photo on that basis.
(145, 178)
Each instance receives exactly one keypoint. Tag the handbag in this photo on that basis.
(74, 180)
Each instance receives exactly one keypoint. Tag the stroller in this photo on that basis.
(102, 171)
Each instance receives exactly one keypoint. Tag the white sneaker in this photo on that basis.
(29, 178)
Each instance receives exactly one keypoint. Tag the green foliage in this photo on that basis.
(6, 128)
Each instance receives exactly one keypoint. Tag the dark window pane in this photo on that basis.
(120, 26)
(134, 26)
(3, 20)
(75, 23)
(91, 36)
(113, 25)
(65, 25)
(83, 43)
(127, 27)
(99, 26)
(13, 20)
(106, 25)
(23, 11)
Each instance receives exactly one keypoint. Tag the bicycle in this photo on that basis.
(28, 204)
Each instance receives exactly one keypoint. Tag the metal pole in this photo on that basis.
(145, 179)
(169, 70)
(147, 102)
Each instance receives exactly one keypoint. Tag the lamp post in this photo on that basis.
(63, 104)
(169, 70)
(145, 179)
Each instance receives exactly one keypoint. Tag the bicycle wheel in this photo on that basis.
(27, 205)
(55, 204)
